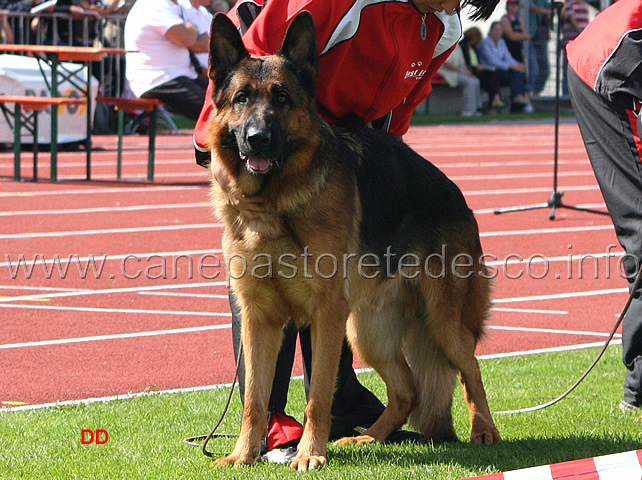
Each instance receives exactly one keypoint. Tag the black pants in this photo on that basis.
(608, 132)
(182, 95)
(353, 404)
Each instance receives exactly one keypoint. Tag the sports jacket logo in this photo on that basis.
(416, 71)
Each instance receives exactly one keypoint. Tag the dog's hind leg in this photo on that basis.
(474, 310)
(261, 344)
(375, 334)
(455, 323)
(434, 378)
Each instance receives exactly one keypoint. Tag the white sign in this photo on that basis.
(21, 75)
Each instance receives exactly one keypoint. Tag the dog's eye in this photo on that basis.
(282, 98)
(240, 98)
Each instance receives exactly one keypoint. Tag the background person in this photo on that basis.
(457, 74)
(487, 74)
(355, 78)
(493, 51)
(515, 35)
(159, 64)
(605, 85)
(575, 17)
(539, 26)
(196, 13)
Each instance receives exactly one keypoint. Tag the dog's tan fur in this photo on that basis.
(417, 333)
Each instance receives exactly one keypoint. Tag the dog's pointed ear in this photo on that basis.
(300, 44)
(226, 48)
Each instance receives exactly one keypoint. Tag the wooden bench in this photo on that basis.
(148, 105)
(20, 117)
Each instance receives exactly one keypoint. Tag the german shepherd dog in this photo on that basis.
(358, 235)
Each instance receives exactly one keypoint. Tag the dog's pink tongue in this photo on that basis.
(258, 164)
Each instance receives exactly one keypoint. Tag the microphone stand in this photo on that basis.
(555, 200)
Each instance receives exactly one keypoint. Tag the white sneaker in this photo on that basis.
(279, 455)
(528, 108)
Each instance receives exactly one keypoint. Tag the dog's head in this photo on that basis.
(264, 107)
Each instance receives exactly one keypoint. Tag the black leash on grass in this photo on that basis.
(636, 285)
(193, 441)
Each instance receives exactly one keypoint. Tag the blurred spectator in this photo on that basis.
(6, 34)
(159, 64)
(575, 16)
(196, 13)
(487, 74)
(514, 32)
(457, 74)
(81, 31)
(11, 30)
(539, 26)
(218, 6)
(493, 51)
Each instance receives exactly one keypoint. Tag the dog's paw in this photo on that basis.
(359, 440)
(303, 463)
(487, 434)
(232, 460)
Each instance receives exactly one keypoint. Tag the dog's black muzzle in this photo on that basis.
(260, 147)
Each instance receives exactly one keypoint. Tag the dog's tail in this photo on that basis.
(434, 378)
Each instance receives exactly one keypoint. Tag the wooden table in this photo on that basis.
(53, 56)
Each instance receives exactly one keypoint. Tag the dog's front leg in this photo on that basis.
(261, 344)
(327, 337)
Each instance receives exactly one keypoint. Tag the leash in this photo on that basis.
(193, 441)
(636, 285)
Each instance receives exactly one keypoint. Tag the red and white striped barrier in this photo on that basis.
(618, 466)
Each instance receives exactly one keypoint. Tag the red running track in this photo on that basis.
(151, 310)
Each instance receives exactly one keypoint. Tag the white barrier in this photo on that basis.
(21, 75)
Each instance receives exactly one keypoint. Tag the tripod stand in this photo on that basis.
(555, 200)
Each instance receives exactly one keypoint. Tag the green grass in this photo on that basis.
(445, 119)
(145, 434)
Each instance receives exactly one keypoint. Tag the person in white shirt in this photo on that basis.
(160, 43)
(456, 73)
(196, 13)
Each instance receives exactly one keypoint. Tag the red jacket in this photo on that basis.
(607, 55)
(384, 68)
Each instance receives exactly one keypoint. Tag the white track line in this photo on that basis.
(180, 313)
(109, 291)
(538, 351)
(116, 336)
(109, 231)
(102, 191)
(515, 176)
(557, 296)
(110, 209)
(550, 330)
(515, 191)
(546, 231)
(183, 295)
(39, 289)
(530, 310)
(197, 226)
(108, 258)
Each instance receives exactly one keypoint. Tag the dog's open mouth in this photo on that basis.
(258, 164)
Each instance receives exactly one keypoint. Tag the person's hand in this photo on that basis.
(518, 67)
(251, 207)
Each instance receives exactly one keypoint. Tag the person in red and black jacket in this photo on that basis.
(605, 85)
(377, 60)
